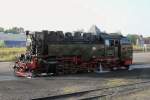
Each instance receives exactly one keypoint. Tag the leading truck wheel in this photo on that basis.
(19, 72)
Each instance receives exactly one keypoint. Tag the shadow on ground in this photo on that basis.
(143, 73)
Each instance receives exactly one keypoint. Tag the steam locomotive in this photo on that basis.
(55, 52)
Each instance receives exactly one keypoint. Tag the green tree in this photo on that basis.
(133, 38)
(8, 31)
(117, 33)
(1, 29)
(15, 30)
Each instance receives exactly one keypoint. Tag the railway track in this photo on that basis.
(100, 93)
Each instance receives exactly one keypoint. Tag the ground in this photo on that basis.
(14, 88)
(141, 95)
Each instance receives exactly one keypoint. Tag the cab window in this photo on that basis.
(112, 43)
(107, 43)
(116, 42)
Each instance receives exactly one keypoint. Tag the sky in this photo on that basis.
(126, 16)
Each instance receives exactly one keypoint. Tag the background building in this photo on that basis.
(12, 40)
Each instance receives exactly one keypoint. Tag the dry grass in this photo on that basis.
(9, 54)
(117, 82)
(71, 89)
(139, 95)
(140, 49)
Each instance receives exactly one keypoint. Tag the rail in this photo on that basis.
(100, 92)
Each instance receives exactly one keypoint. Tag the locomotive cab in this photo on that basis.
(126, 52)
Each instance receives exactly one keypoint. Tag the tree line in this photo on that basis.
(13, 30)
